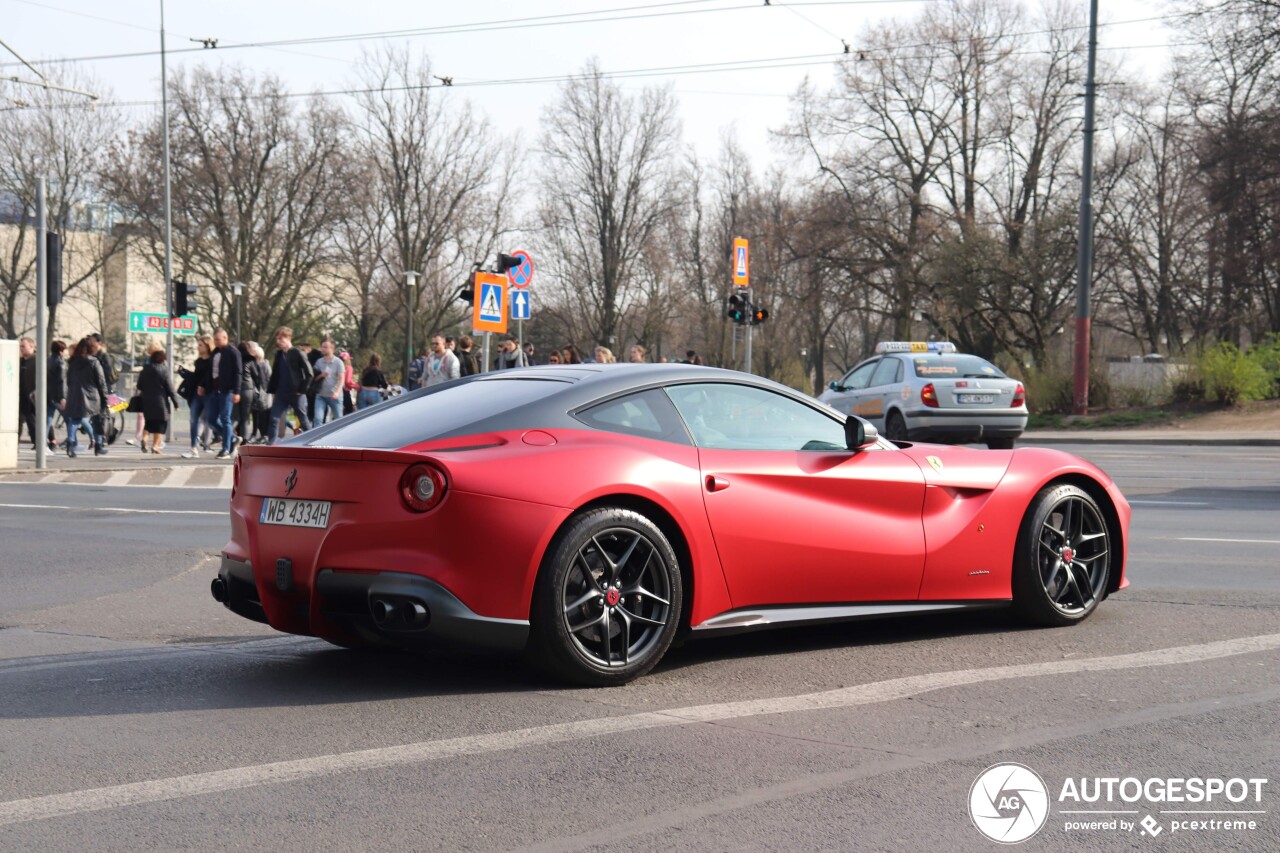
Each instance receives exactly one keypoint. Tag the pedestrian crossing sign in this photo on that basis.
(490, 312)
(741, 262)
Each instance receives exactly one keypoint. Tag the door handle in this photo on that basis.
(716, 484)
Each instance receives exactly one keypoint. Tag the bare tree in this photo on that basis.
(61, 137)
(607, 190)
(255, 191)
(444, 182)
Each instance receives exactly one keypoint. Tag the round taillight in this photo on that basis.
(422, 487)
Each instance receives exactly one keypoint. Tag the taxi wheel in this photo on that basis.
(895, 428)
(608, 599)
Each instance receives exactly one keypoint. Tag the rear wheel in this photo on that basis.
(608, 599)
(1063, 558)
(895, 428)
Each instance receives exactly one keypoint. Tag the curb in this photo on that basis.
(1085, 438)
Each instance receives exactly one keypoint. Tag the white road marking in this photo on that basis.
(116, 509)
(159, 790)
(118, 478)
(1140, 502)
(177, 477)
(1243, 541)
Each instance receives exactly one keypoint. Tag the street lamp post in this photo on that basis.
(410, 282)
(237, 288)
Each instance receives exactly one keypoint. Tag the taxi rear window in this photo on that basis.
(936, 366)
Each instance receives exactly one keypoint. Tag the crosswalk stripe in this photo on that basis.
(177, 477)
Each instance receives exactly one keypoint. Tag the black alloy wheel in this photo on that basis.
(608, 599)
(1063, 558)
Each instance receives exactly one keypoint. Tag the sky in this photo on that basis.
(780, 43)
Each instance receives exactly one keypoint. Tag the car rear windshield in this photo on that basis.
(442, 411)
(959, 366)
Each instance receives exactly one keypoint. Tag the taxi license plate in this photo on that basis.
(976, 398)
(295, 513)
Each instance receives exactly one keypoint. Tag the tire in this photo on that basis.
(608, 599)
(895, 428)
(1000, 444)
(1062, 561)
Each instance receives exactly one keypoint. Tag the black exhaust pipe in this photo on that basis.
(219, 590)
(383, 611)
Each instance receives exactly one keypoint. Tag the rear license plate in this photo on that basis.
(295, 513)
(976, 398)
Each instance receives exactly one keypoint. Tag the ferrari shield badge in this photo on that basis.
(935, 462)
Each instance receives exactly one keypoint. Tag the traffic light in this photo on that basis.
(759, 315)
(53, 267)
(506, 262)
(467, 293)
(184, 298)
(738, 308)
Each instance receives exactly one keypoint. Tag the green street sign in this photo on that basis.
(144, 322)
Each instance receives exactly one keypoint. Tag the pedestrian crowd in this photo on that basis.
(236, 396)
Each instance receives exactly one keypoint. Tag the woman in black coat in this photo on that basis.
(57, 386)
(157, 392)
(86, 395)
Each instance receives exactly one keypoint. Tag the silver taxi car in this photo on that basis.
(926, 391)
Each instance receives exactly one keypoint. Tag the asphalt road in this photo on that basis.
(135, 713)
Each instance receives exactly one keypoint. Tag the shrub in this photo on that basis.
(1229, 376)
(1266, 354)
(1050, 391)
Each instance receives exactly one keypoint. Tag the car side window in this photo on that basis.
(860, 375)
(741, 417)
(648, 414)
(889, 372)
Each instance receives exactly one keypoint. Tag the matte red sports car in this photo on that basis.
(590, 513)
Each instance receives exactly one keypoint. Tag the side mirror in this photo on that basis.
(835, 385)
(858, 433)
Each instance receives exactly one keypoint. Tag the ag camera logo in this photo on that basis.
(1009, 803)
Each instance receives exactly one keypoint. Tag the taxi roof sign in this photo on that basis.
(915, 346)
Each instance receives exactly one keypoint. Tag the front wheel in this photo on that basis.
(1063, 558)
(608, 599)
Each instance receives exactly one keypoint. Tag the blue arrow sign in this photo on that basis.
(491, 303)
(521, 305)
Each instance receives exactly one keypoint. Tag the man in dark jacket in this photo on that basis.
(290, 377)
(27, 388)
(225, 366)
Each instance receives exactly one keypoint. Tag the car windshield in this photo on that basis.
(958, 366)
(440, 411)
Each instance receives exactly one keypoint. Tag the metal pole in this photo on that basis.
(168, 213)
(484, 366)
(42, 333)
(410, 280)
(751, 313)
(239, 301)
(1084, 266)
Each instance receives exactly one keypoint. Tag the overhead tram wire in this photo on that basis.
(563, 19)
(799, 61)
(153, 31)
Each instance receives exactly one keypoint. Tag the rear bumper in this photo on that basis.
(388, 607)
(948, 426)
